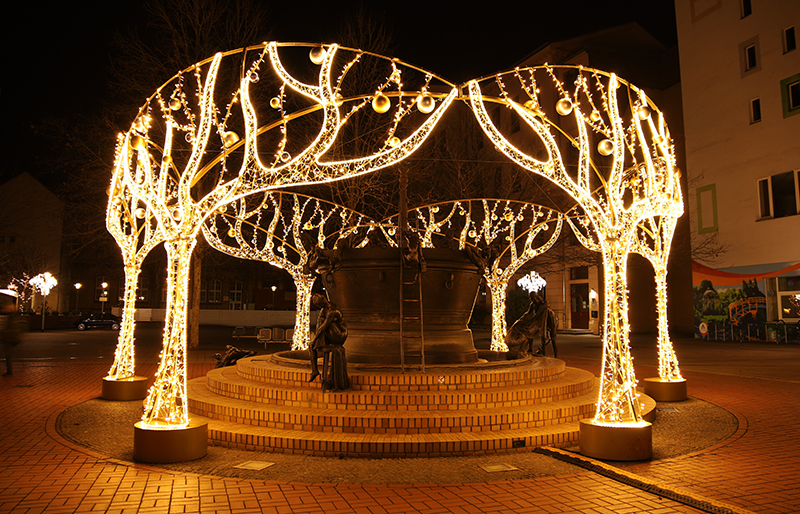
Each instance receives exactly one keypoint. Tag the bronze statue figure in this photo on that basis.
(329, 339)
(539, 320)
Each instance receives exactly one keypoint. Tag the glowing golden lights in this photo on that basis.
(156, 199)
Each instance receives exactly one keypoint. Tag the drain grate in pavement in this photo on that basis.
(494, 468)
(254, 465)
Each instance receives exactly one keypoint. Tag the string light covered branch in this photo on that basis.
(209, 136)
(629, 176)
(136, 232)
(500, 236)
(286, 230)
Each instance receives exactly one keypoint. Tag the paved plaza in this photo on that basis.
(754, 468)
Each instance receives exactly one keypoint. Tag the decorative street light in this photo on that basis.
(273, 296)
(44, 282)
(78, 287)
(103, 298)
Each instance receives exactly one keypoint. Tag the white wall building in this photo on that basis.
(740, 78)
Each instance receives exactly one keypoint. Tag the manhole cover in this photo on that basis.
(254, 465)
(493, 468)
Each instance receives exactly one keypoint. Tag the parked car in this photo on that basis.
(105, 320)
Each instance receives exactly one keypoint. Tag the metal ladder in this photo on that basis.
(412, 342)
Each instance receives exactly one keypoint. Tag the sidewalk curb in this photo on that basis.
(645, 484)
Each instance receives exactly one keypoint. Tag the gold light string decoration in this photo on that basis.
(285, 229)
(195, 147)
(653, 243)
(630, 176)
(500, 236)
(136, 233)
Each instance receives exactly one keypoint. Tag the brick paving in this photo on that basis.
(755, 469)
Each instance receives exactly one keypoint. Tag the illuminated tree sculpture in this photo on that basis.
(284, 229)
(499, 235)
(653, 243)
(183, 159)
(630, 177)
(134, 228)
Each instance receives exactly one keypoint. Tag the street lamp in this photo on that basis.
(273, 296)
(44, 282)
(103, 298)
(78, 287)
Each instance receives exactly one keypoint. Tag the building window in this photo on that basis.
(750, 56)
(579, 273)
(789, 297)
(790, 95)
(755, 110)
(121, 290)
(707, 209)
(747, 8)
(215, 291)
(203, 291)
(143, 292)
(236, 295)
(778, 195)
(789, 41)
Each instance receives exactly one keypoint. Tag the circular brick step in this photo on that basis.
(286, 373)
(226, 382)
(336, 418)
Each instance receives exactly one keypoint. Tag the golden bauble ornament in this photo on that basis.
(564, 106)
(230, 138)
(285, 156)
(381, 103)
(138, 142)
(317, 55)
(275, 102)
(605, 147)
(174, 104)
(644, 112)
(426, 103)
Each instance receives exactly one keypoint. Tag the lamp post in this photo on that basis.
(78, 287)
(44, 282)
(273, 296)
(103, 298)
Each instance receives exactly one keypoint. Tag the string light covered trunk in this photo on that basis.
(668, 368)
(497, 288)
(166, 403)
(302, 325)
(618, 402)
(123, 366)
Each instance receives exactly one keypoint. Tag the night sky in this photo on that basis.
(56, 59)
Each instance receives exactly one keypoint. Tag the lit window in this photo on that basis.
(755, 110)
(778, 195)
(789, 41)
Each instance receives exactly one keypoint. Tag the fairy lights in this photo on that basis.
(173, 171)
(615, 201)
(198, 158)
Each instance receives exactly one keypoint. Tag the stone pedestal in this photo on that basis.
(665, 390)
(170, 445)
(622, 443)
(125, 389)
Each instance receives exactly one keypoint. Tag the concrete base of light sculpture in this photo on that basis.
(170, 445)
(124, 389)
(665, 390)
(620, 442)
